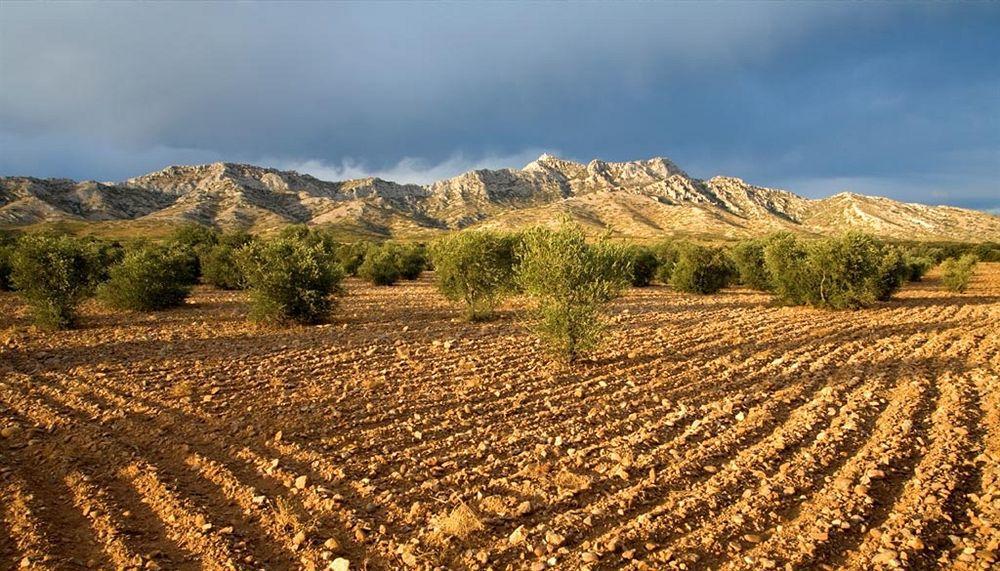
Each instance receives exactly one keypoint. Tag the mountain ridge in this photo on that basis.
(642, 199)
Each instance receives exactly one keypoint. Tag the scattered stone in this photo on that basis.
(884, 557)
(554, 539)
(843, 484)
(518, 535)
(409, 559)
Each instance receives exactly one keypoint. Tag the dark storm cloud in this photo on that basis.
(901, 99)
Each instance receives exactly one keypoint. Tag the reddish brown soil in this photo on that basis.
(713, 432)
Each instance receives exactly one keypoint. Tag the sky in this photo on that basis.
(894, 99)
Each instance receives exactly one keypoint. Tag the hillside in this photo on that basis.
(641, 199)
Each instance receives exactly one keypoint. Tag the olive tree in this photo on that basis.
(475, 268)
(148, 278)
(289, 280)
(851, 271)
(381, 265)
(701, 269)
(643, 265)
(956, 273)
(748, 262)
(54, 274)
(569, 282)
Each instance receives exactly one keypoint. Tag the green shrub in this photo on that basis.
(412, 261)
(642, 263)
(289, 280)
(666, 253)
(475, 267)
(191, 242)
(941, 251)
(192, 263)
(106, 256)
(235, 238)
(748, 262)
(351, 256)
(148, 278)
(852, 271)
(193, 236)
(701, 269)
(569, 281)
(785, 263)
(299, 233)
(7, 244)
(957, 273)
(382, 264)
(917, 267)
(311, 236)
(936, 254)
(54, 274)
(6, 266)
(987, 252)
(219, 267)
(893, 271)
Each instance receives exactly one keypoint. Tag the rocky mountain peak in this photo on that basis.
(549, 163)
(848, 195)
(647, 198)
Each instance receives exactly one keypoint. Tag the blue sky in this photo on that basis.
(896, 99)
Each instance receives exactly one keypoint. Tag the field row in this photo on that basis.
(713, 432)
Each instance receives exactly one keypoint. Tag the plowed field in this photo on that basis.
(713, 432)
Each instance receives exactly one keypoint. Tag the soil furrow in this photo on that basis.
(709, 432)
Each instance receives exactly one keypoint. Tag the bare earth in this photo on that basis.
(714, 432)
